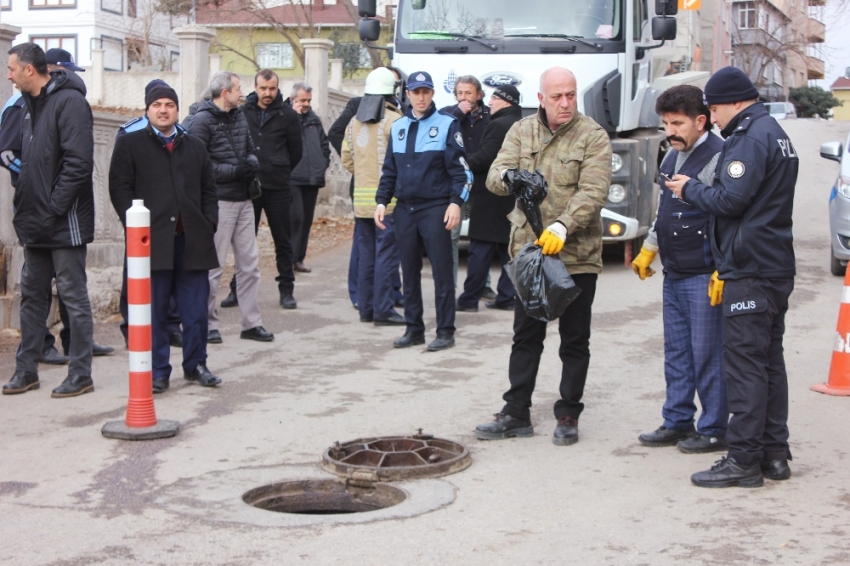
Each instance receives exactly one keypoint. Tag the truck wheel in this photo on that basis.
(835, 264)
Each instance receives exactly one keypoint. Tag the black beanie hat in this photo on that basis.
(160, 91)
(508, 93)
(153, 83)
(729, 85)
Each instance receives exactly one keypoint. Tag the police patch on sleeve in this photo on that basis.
(401, 135)
(459, 139)
(735, 169)
(433, 131)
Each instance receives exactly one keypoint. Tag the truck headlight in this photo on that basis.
(842, 184)
(616, 162)
(616, 193)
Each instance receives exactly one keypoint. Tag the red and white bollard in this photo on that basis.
(141, 422)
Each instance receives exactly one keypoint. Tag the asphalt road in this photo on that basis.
(70, 497)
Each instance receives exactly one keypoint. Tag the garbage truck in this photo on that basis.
(614, 48)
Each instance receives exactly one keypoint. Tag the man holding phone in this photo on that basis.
(693, 347)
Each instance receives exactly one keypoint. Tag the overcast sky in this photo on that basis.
(837, 48)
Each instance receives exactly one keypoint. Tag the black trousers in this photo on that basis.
(277, 205)
(303, 206)
(754, 367)
(479, 259)
(529, 334)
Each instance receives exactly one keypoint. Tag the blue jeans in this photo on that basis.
(693, 357)
(378, 256)
(190, 289)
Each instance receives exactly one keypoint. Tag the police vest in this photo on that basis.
(683, 229)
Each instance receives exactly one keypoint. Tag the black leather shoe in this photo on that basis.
(288, 302)
(504, 426)
(160, 385)
(726, 472)
(393, 320)
(566, 432)
(497, 306)
(73, 386)
(775, 469)
(21, 383)
(53, 357)
(664, 436)
(489, 294)
(301, 268)
(257, 333)
(98, 350)
(442, 342)
(175, 339)
(366, 319)
(409, 339)
(230, 301)
(203, 376)
(214, 337)
(460, 307)
(698, 443)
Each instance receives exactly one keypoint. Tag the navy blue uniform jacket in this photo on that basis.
(751, 199)
(425, 164)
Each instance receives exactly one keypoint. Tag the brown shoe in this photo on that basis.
(301, 268)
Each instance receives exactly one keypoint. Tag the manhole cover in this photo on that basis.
(323, 497)
(392, 458)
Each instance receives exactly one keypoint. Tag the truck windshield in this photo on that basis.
(498, 19)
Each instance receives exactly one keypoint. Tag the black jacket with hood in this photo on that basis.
(317, 153)
(54, 199)
(276, 132)
(210, 125)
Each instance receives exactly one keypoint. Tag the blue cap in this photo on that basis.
(420, 79)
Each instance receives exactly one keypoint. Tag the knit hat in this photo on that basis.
(153, 83)
(729, 85)
(508, 93)
(160, 91)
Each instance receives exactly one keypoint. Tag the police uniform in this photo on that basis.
(426, 171)
(751, 202)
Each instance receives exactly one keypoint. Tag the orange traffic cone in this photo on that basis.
(839, 370)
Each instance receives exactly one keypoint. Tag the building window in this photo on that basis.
(112, 6)
(746, 15)
(5, 5)
(66, 42)
(113, 53)
(53, 3)
(274, 56)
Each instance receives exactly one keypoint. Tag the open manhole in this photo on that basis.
(366, 464)
(323, 497)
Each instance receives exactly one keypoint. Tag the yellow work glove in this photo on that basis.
(715, 290)
(641, 263)
(552, 239)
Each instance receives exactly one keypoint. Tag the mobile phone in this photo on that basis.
(665, 175)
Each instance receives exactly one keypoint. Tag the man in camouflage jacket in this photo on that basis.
(574, 155)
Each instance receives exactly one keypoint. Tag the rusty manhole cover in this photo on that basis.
(391, 458)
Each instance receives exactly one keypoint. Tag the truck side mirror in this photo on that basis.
(662, 28)
(367, 8)
(370, 30)
(666, 7)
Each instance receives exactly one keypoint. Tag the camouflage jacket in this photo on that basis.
(576, 163)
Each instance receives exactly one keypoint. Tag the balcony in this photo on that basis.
(816, 31)
(814, 67)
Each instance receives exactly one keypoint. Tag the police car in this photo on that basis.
(839, 206)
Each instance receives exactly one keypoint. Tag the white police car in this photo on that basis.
(839, 206)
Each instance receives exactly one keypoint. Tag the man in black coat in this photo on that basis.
(309, 176)
(276, 130)
(172, 173)
(489, 228)
(53, 214)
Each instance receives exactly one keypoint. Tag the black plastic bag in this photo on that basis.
(543, 285)
(530, 189)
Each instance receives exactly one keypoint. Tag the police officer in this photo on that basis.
(751, 201)
(426, 171)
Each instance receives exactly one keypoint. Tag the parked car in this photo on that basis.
(839, 206)
(781, 110)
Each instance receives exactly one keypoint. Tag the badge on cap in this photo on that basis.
(459, 139)
(420, 77)
(736, 169)
(433, 131)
